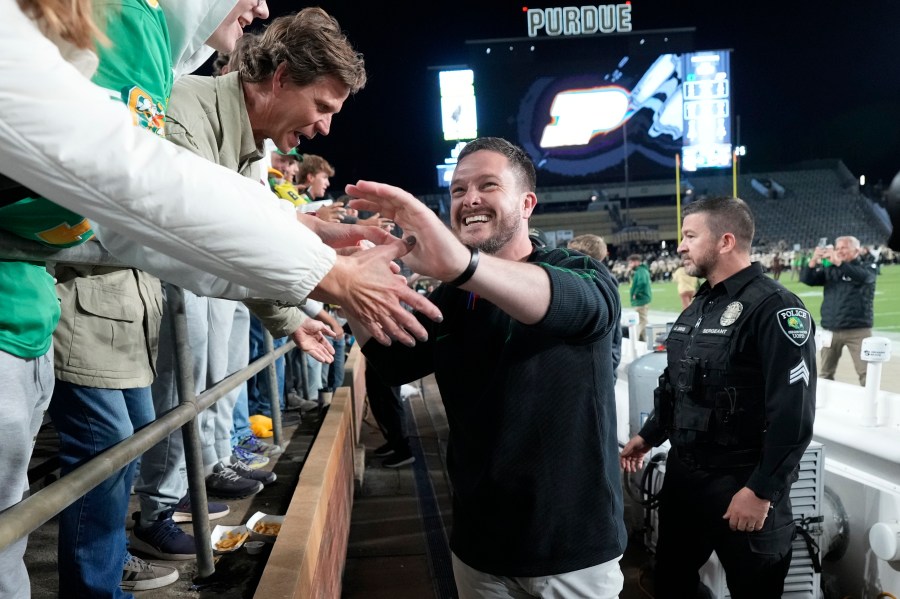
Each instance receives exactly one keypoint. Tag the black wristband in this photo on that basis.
(469, 271)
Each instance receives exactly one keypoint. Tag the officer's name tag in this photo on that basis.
(684, 329)
(715, 331)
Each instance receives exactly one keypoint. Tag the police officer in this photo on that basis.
(737, 402)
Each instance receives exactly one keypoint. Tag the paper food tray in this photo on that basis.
(219, 532)
(267, 519)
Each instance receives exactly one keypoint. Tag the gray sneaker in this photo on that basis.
(138, 575)
(307, 405)
(263, 476)
(228, 484)
(295, 401)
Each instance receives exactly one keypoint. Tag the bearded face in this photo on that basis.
(487, 209)
(699, 248)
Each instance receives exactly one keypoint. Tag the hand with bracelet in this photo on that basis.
(506, 278)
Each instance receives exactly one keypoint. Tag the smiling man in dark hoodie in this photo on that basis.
(523, 363)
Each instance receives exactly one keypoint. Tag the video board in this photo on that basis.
(706, 94)
(458, 115)
(579, 107)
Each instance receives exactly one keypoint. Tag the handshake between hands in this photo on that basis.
(367, 284)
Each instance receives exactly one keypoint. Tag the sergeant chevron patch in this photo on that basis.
(798, 372)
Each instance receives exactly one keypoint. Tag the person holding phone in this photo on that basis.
(848, 308)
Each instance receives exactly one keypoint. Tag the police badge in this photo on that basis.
(731, 313)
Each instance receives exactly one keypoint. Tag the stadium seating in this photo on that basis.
(814, 199)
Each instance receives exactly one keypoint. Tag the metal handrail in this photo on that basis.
(29, 514)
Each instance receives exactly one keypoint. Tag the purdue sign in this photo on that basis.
(584, 20)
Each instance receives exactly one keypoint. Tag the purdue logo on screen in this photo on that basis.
(579, 20)
(577, 115)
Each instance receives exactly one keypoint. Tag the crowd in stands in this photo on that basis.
(113, 368)
(114, 356)
(663, 263)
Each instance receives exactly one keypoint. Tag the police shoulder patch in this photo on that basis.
(795, 323)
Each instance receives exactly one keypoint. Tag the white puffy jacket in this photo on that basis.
(64, 138)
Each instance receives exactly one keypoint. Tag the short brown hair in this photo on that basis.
(310, 164)
(312, 46)
(635, 258)
(517, 157)
(726, 215)
(591, 245)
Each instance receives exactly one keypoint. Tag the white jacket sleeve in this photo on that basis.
(177, 272)
(62, 136)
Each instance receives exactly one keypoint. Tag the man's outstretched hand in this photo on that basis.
(310, 337)
(367, 287)
(340, 235)
(632, 456)
(436, 253)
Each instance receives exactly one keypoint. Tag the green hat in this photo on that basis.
(293, 152)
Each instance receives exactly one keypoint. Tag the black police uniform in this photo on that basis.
(737, 402)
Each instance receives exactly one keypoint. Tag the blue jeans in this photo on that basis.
(227, 352)
(334, 378)
(295, 372)
(91, 531)
(241, 418)
(258, 395)
(162, 479)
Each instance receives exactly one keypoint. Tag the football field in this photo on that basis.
(887, 298)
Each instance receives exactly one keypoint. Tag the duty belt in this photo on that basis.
(700, 460)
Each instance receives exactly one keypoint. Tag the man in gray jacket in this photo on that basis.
(225, 120)
(848, 304)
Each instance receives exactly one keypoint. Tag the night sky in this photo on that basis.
(810, 80)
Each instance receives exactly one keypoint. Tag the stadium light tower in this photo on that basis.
(627, 192)
(737, 152)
